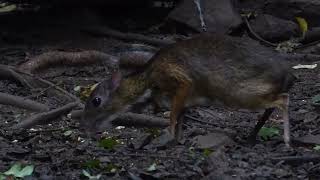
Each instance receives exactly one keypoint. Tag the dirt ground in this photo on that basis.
(57, 155)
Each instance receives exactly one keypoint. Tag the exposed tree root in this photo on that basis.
(46, 117)
(6, 72)
(21, 102)
(135, 59)
(56, 58)
(131, 59)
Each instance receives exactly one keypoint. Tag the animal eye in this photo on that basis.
(96, 101)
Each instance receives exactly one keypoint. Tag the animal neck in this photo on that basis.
(133, 89)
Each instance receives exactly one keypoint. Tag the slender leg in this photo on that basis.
(179, 131)
(259, 125)
(286, 122)
(177, 108)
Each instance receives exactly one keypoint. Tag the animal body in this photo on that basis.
(239, 72)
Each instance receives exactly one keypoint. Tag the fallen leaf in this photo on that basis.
(308, 66)
(7, 8)
(67, 133)
(316, 100)
(152, 167)
(88, 175)
(316, 147)
(303, 25)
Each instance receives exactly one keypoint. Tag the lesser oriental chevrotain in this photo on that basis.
(241, 73)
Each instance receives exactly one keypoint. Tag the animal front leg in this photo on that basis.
(259, 125)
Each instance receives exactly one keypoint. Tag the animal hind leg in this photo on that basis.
(284, 106)
(178, 105)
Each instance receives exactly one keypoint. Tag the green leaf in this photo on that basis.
(95, 163)
(17, 171)
(67, 133)
(316, 147)
(87, 174)
(111, 168)
(207, 152)
(316, 100)
(13, 170)
(108, 143)
(152, 167)
(2, 177)
(26, 171)
(267, 133)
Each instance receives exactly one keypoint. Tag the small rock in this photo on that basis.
(141, 141)
(309, 9)
(212, 140)
(302, 111)
(164, 140)
(218, 15)
(104, 159)
(219, 167)
(166, 114)
(309, 117)
(274, 29)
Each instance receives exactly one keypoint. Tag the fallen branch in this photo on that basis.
(127, 36)
(46, 117)
(21, 102)
(302, 57)
(26, 79)
(296, 159)
(131, 119)
(55, 58)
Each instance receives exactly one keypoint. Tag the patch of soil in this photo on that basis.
(60, 155)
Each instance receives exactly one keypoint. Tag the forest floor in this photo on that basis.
(61, 151)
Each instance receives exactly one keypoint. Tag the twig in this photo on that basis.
(127, 36)
(200, 121)
(21, 102)
(46, 117)
(146, 155)
(210, 113)
(251, 31)
(9, 72)
(50, 84)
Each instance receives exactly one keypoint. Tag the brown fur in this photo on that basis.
(240, 73)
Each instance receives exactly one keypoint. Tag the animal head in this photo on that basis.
(101, 103)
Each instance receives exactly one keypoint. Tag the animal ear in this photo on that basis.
(116, 79)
